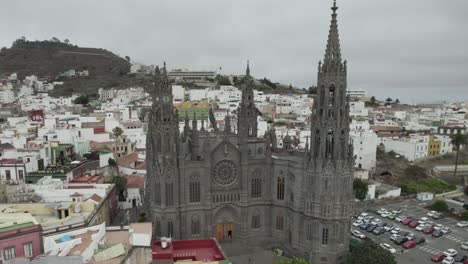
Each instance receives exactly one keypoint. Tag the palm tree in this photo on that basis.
(458, 140)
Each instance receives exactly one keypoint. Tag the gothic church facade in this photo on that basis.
(237, 185)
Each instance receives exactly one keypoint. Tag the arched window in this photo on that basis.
(329, 145)
(170, 228)
(279, 222)
(309, 231)
(168, 143)
(194, 189)
(158, 142)
(157, 226)
(256, 220)
(280, 188)
(325, 236)
(195, 225)
(169, 194)
(157, 193)
(256, 184)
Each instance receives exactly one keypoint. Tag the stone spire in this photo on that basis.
(247, 71)
(247, 124)
(333, 52)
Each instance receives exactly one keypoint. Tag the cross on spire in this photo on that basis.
(334, 7)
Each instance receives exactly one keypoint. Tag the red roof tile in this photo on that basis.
(135, 182)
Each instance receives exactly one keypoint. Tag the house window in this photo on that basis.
(280, 188)
(21, 175)
(194, 190)
(256, 191)
(279, 222)
(256, 221)
(195, 226)
(9, 253)
(8, 174)
(325, 236)
(28, 249)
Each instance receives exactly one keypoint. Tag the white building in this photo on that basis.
(413, 148)
(356, 93)
(365, 148)
(358, 108)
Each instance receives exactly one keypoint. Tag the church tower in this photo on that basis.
(161, 146)
(248, 113)
(330, 157)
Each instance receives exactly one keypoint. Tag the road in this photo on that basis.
(421, 253)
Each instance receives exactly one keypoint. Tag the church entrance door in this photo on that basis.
(224, 231)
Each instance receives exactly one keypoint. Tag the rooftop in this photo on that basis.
(188, 250)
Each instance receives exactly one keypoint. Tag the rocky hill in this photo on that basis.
(49, 59)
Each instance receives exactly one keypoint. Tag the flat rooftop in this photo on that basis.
(205, 250)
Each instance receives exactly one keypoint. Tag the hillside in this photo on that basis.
(49, 59)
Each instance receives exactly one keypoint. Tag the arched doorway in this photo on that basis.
(225, 222)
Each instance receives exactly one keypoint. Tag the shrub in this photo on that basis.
(440, 206)
(464, 216)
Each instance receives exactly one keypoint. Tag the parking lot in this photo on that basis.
(421, 253)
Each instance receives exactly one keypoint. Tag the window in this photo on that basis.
(169, 228)
(194, 192)
(21, 175)
(279, 222)
(280, 188)
(256, 191)
(195, 226)
(309, 231)
(325, 236)
(157, 194)
(8, 175)
(256, 221)
(28, 249)
(169, 194)
(158, 227)
(9, 253)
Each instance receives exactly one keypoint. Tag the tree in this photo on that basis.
(112, 162)
(82, 99)
(369, 252)
(67, 41)
(397, 101)
(360, 189)
(142, 218)
(223, 80)
(120, 185)
(312, 90)
(293, 261)
(373, 100)
(127, 58)
(458, 140)
(296, 141)
(54, 39)
(389, 100)
(439, 206)
(464, 215)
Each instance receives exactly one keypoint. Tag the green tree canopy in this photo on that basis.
(440, 206)
(121, 186)
(223, 80)
(117, 132)
(360, 189)
(369, 252)
(82, 99)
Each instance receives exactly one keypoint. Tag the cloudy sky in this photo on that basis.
(415, 50)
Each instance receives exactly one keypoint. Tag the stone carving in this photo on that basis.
(225, 172)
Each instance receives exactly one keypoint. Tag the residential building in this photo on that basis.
(413, 148)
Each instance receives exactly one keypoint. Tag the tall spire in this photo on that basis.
(333, 52)
(247, 71)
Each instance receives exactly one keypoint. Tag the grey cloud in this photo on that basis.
(412, 50)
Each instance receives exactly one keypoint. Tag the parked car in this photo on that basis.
(410, 236)
(409, 244)
(445, 230)
(459, 258)
(378, 231)
(428, 230)
(400, 218)
(388, 248)
(407, 221)
(389, 228)
(458, 199)
(419, 240)
(358, 234)
(421, 227)
(462, 224)
(431, 213)
(438, 226)
(401, 240)
(394, 237)
(448, 260)
(371, 228)
(464, 245)
(438, 216)
(413, 224)
(376, 221)
(397, 211)
(382, 210)
(364, 226)
(437, 233)
(450, 252)
(357, 223)
(392, 216)
(385, 214)
(438, 257)
(396, 230)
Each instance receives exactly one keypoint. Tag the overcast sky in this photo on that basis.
(412, 50)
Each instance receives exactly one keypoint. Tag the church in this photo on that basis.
(239, 186)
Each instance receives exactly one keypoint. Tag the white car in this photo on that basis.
(438, 227)
(421, 227)
(364, 214)
(388, 248)
(396, 230)
(376, 221)
(424, 219)
(389, 227)
(357, 223)
(394, 237)
(400, 218)
(462, 224)
(448, 260)
(450, 252)
(445, 230)
(410, 236)
(385, 215)
(382, 210)
(431, 213)
(358, 234)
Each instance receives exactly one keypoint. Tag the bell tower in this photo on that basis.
(248, 113)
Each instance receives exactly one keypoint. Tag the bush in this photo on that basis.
(439, 206)
(360, 189)
(431, 185)
(369, 252)
(464, 216)
(415, 172)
